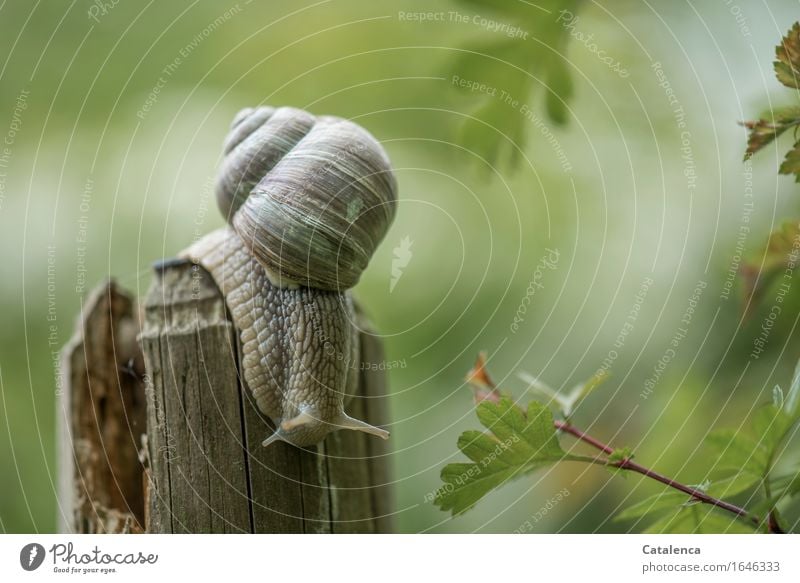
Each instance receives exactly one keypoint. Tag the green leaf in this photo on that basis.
(567, 403)
(668, 499)
(788, 485)
(787, 65)
(542, 389)
(560, 89)
(580, 392)
(794, 487)
(777, 396)
(765, 505)
(767, 129)
(778, 253)
(617, 456)
(700, 519)
(672, 499)
(465, 484)
(751, 457)
(620, 454)
(770, 425)
(733, 485)
(519, 443)
(511, 70)
(488, 134)
(790, 404)
(738, 452)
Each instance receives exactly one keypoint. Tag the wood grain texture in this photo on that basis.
(207, 469)
(102, 418)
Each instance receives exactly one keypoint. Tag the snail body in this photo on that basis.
(307, 199)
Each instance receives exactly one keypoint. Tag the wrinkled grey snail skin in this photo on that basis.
(307, 199)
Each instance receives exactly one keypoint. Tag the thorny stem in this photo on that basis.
(628, 464)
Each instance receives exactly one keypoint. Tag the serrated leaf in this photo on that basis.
(765, 130)
(517, 67)
(482, 64)
(476, 445)
(787, 65)
(532, 434)
(459, 493)
(791, 163)
(518, 444)
(488, 134)
(505, 419)
(780, 250)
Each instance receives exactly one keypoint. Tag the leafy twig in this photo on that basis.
(480, 372)
(499, 75)
(523, 440)
(763, 131)
(628, 464)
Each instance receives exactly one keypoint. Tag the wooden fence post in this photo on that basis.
(101, 418)
(203, 466)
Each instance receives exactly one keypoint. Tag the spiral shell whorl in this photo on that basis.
(311, 197)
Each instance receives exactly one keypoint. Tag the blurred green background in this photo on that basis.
(93, 156)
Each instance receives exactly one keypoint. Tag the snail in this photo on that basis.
(307, 200)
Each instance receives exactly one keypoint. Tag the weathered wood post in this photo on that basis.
(101, 418)
(202, 466)
(307, 200)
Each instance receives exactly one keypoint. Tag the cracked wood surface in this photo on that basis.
(101, 418)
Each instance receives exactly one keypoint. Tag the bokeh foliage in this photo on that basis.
(88, 162)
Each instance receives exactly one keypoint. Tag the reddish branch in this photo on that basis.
(485, 389)
(628, 464)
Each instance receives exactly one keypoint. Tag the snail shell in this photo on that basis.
(311, 197)
(308, 200)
